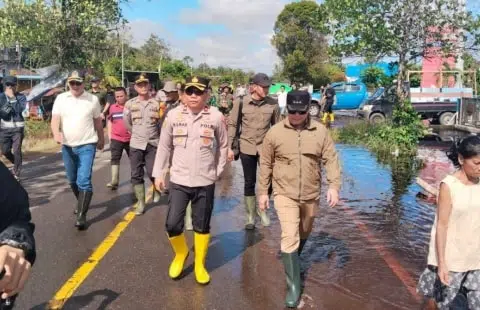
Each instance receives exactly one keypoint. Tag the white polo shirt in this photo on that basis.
(76, 117)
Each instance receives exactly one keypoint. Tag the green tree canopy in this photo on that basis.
(59, 31)
(299, 37)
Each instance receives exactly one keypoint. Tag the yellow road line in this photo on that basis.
(72, 284)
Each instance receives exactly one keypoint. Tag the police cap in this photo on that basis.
(298, 100)
(199, 82)
(141, 78)
(77, 76)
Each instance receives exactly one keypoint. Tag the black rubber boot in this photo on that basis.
(292, 272)
(300, 247)
(74, 188)
(84, 199)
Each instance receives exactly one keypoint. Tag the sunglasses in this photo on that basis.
(297, 112)
(10, 85)
(75, 83)
(193, 90)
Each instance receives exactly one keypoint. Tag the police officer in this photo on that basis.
(258, 112)
(142, 117)
(291, 153)
(188, 136)
(173, 93)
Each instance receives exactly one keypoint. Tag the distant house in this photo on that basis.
(26, 78)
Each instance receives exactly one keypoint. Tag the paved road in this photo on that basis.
(344, 266)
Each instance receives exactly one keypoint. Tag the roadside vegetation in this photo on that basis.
(398, 136)
(38, 137)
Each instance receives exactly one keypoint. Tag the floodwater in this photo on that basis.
(366, 253)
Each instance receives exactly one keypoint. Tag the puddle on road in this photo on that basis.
(379, 200)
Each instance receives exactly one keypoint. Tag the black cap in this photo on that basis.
(10, 80)
(141, 78)
(198, 82)
(94, 79)
(261, 79)
(298, 100)
(76, 75)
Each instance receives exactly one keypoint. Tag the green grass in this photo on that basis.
(381, 138)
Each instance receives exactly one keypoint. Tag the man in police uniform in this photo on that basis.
(142, 117)
(187, 138)
(258, 113)
(291, 153)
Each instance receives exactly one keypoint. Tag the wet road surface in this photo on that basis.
(365, 254)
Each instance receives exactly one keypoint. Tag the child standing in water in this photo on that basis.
(453, 271)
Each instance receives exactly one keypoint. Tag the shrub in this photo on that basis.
(398, 135)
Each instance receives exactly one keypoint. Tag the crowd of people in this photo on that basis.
(183, 141)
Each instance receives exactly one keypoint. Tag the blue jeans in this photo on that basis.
(78, 162)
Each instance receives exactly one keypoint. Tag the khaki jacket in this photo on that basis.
(256, 121)
(142, 119)
(187, 147)
(291, 159)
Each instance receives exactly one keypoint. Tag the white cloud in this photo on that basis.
(249, 25)
(236, 15)
(138, 31)
(245, 44)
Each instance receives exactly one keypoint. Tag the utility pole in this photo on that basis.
(123, 59)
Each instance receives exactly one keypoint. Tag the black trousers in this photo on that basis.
(202, 207)
(249, 164)
(328, 107)
(12, 139)
(116, 150)
(139, 160)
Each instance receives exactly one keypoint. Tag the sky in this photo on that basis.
(233, 33)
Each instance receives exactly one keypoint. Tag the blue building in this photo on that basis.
(354, 71)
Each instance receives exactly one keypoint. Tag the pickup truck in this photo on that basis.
(350, 96)
(437, 104)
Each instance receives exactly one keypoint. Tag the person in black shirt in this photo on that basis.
(330, 97)
(17, 243)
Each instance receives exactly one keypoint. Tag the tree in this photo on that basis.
(299, 37)
(372, 77)
(175, 69)
(405, 29)
(59, 31)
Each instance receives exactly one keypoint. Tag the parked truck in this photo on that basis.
(436, 104)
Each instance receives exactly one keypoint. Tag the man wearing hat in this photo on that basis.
(79, 116)
(255, 114)
(172, 97)
(172, 93)
(186, 142)
(12, 124)
(142, 117)
(292, 152)
(225, 99)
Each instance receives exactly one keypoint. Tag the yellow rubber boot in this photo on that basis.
(332, 117)
(179, 246)
(201, 249)
(324, 118)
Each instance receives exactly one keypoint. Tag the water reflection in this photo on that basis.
(381, 189)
